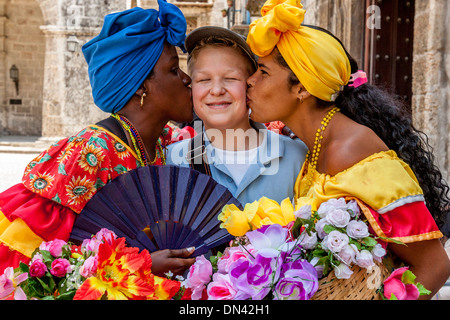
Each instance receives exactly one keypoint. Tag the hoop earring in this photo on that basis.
(142, 99)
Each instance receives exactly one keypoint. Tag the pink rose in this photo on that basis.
(230, 255)
(90, 245)
(199, 275)
(54, 247)
(106, 235)
(60, 267)
(89, 267)
(221, 288)
(38, 268)
(395, 286)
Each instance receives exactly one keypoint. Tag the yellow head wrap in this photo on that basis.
(317, 59)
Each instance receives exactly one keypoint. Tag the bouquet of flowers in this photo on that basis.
(282, 254)
(102, 267)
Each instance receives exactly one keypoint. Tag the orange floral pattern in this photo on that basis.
(124, 273)
(72, 170)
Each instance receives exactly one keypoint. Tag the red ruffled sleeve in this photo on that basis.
(55, 187)
(407, 223)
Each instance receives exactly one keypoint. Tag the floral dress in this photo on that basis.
(55, 188)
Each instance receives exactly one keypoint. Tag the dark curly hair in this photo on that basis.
(390, 119)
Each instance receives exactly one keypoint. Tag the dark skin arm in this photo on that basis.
(176, 261)
(428, 260)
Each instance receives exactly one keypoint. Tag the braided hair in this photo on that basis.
(390, 119)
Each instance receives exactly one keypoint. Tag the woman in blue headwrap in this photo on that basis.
(135, 75)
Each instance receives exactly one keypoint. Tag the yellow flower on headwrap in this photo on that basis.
(317, 59)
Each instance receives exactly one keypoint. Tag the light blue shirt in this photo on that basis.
(271, 175)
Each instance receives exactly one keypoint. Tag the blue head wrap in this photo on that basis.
(126, 50)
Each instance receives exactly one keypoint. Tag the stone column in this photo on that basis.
(67, 100)
(431, 77)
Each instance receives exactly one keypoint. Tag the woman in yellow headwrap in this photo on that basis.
(361, 142)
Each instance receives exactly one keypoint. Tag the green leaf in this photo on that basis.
(67, 295)
(45, 158)
(44, 286)
(120, 169)
(99, 184)
(99, 142)
(393, 297)
(371, 242)
(391, 240)
(422, 290)
(23, 267)
(47, 256)
(328, 229)
(296, 228)
(408, 277)
(62, 169)
(56, 199)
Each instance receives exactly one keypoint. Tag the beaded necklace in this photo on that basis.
(139, 145)
(313, 157)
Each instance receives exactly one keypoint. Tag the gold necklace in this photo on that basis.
(313, 157)
(138, 145)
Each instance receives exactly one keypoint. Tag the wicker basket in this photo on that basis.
(362, 285)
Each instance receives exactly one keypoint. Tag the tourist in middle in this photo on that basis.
(251, 161)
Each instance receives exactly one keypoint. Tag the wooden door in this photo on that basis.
(390, 47)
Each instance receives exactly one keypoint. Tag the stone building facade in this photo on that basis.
(43, 39)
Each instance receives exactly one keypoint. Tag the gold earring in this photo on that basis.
(142, 99)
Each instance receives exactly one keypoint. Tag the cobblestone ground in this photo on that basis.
(12, 166)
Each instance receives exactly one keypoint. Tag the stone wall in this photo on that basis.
(431, 77)
(21, 44)
(67, 101)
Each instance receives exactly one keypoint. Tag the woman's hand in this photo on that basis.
(176, 261)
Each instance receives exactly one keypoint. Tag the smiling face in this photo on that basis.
(270, 95)
(219, 88)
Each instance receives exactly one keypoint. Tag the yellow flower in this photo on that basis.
(303, 201)
(234, 220)
(255, 215)
(91, 158)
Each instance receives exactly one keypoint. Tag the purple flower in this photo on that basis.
(299, 281)
(268, 240)
(253, 278)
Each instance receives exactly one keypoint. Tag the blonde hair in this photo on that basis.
(218, 42)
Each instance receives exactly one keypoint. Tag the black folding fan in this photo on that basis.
(180, 206)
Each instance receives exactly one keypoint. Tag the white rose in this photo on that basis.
(365, 259)
(342, 272)
(348, 254)
(308, 242)
(338, 218)
(336, 241)
(319, 228)
(353, 206)
(319, 268)
(304, 212)
(331, 204)
(357, 230)
(378, 252)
